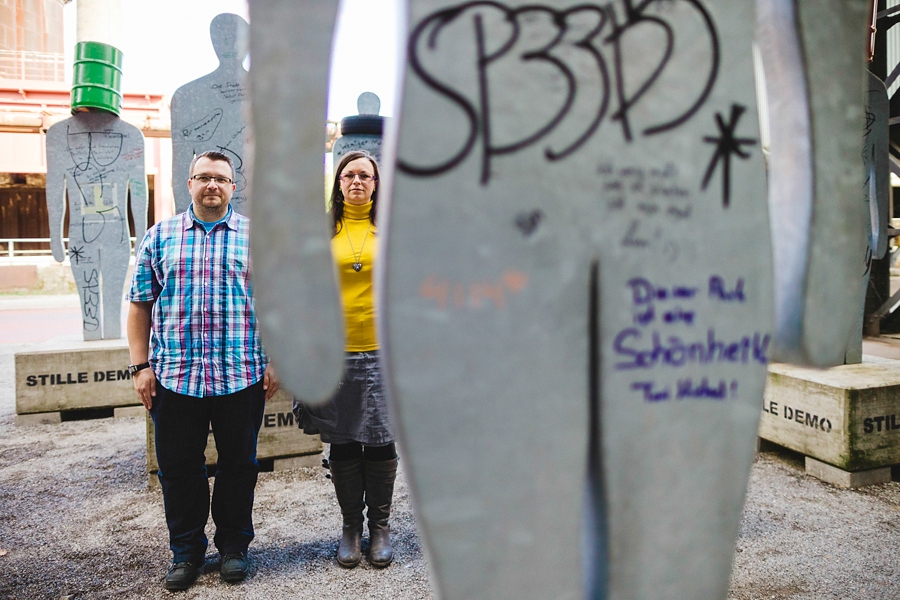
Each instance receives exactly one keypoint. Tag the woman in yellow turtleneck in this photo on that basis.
(363, 457)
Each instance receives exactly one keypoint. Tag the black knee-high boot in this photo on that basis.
(349, 486)
(380, 476)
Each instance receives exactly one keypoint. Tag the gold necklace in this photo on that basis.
(357, 265)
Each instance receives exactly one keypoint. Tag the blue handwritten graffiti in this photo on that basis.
(674, 352)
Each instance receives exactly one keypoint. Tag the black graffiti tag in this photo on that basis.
(726, 145)
(468, 54)
(90, 302)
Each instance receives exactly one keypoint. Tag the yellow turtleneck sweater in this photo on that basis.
(355, 243)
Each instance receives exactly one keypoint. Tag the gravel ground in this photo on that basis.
(77, 521)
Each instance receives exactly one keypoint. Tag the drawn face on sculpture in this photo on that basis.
(358, 180)
(211, 198)
(229, 37)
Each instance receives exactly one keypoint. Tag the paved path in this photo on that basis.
(26, 319)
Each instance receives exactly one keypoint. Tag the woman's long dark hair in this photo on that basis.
(337, 196)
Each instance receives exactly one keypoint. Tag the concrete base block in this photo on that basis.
(847, 479)
(129, 411)
(49, 418)
(847, 416)
(70, 374)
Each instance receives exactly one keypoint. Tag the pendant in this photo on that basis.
(357, 266)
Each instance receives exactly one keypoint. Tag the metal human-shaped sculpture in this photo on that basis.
(876, 188)
(363, 131)
(296, 292)
(813, 59)
(207, 113)
(577, 296)
(576, 283)
(97, 160)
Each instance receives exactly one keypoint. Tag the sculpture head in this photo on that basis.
(228, 33)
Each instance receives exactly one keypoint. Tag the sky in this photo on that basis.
(165, 44)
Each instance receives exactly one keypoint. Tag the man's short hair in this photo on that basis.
(213, 155)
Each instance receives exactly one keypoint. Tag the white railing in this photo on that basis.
(34, 66)
(9, 250)
(8, 247)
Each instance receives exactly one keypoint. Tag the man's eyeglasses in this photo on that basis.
(205, 179)
(364, 177)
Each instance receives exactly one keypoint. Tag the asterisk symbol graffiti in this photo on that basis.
(726, 145)
(76, 254)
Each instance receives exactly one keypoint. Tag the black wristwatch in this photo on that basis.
(135, 368)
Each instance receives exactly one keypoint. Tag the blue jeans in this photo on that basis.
(181, 425)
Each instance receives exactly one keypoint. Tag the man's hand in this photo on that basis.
(270, 382)
(138, 325)
(145, 385)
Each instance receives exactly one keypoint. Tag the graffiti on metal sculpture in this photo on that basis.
(362, 131)
(207, 113)
(578, 266)
(97, 161)
(876, 194)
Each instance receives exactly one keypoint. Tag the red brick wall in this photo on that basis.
(31, 25)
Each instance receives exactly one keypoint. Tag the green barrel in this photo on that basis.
(97, 81)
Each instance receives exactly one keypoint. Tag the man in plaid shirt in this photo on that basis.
(206, 367)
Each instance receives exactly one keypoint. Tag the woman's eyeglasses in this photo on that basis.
(364, 177)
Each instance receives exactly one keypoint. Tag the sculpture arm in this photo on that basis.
(56, 191)
(182, 155)
(137, 183)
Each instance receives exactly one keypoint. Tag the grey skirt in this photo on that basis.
(357, 412)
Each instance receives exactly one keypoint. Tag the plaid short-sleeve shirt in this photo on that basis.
(204, 334)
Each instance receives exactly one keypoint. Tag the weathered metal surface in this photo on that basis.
(877, 164)
(208, 113)
(294, 279)
(576, 294)
(812, 54)
(876, 192)
(96, 159)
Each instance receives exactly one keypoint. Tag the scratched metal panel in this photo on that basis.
(877, 164)
(577, 287)
(96, 159)
(208, 113)
(876, 191)
(294, 279)
(813, 61)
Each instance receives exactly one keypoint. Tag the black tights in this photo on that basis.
(355, 450)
